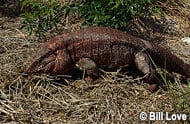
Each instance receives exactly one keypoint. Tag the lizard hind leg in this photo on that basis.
(89, 67)
(143, 63)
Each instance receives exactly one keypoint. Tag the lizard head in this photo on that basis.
(44, 59)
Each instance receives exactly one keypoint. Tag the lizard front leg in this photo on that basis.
(89, 67)
(143, 63)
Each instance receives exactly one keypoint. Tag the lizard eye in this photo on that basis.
(55, 53)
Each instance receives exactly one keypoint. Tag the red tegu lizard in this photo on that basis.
(106, 47)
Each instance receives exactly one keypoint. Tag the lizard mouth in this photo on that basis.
(44, 63)
(45, 59)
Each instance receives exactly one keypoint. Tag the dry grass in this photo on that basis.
(111, 99)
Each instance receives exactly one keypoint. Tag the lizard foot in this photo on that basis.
(152, 87)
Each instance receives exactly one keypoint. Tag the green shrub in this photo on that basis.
(41, 17)
(114, 13)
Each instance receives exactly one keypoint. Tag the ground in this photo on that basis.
(114, 98)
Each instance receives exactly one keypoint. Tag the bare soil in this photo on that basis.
(114, 98)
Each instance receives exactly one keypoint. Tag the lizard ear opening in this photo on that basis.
(63, 63)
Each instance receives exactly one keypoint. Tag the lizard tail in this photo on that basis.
(169, 61)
